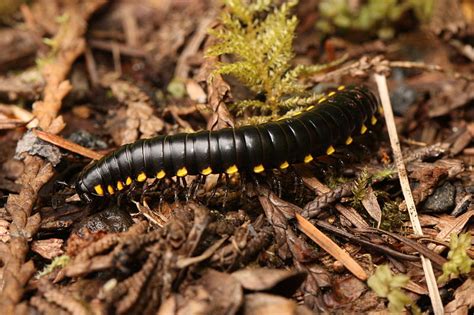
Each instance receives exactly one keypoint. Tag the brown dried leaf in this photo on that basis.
(4, 234)
(215, 293)
(280, 282)
(49, 248)
(225, 290)
(218, 93)
(138, 120)
(353, 216)
(452, 95)
(331, 247)
(263, 304)
(195, 91)
(455, 226)
(287, 242)
(463, 299)
(345, 290)
(372, 206)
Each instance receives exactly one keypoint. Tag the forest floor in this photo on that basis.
(80, 78)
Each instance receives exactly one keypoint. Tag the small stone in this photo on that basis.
(441, 200)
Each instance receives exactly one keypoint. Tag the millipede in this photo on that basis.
(334, 120)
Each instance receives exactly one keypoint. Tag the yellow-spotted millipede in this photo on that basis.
(333, 120)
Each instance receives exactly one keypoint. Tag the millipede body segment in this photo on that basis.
(334, 120)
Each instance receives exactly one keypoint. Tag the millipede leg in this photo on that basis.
(279, 189)
(199, 181)
(185, 188)
(147, 188)
(190, 190)
(300, 194)
(175, 185)
(276, 185)
(226, 189)
(255, 181)
(214, 190)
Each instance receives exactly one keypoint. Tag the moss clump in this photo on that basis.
(258, 37)
(58, 262)
(387, 285)
(459, 261)
(359, 190)
(375, 16)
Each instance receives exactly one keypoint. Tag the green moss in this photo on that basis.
(176, 88)
(374, 16)
(387, 285)
(392, 217)
(459, 261)
(58, 262)
(258, 38)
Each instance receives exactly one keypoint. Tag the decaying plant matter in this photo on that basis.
(331, 236)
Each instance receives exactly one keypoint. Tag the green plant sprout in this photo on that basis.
(359, 190)
(375, 16)
(387, 285)
(58, 262)
(258, 38)
(459, 261)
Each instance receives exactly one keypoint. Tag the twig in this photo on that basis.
(329, 246)
(405, 184)
(68, 145)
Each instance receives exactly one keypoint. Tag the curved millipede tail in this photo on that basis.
(334, 120)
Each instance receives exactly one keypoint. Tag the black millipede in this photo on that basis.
(334, 120)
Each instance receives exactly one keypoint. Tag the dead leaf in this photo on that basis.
(263, 304)
(49, 248)
(372, 206)
(138, 120)
(463, 299)
(281, 282)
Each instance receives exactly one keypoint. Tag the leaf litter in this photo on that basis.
(306, 250)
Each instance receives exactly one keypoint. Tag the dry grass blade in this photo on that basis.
(405, 184)
(329, 246)
(67, 145)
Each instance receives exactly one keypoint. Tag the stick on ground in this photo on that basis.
(405, 184)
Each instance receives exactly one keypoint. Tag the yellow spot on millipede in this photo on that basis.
(206, 171)
(258, 168)
(284, 165)
(330, 150)
(161, 174)
(141, 177)
(381, 110)
(349, 140)
(322, 99)
(373, 120)
(99, 190)
(110, 189)
(363, 129)
(119, 185)
(182, 172)
(308, 158)
(340, 88)
(310, 108)
(331, 93)
(232, 170)
(128, 181)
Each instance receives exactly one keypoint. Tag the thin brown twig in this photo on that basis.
(68, 145)
(405, 184)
